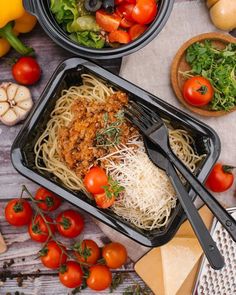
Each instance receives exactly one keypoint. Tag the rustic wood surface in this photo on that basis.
(23, 251)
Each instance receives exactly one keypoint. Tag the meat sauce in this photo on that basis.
(80, 144)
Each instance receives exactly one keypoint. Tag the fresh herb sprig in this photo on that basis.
(113, 188)
(110, 134)
(219, 67)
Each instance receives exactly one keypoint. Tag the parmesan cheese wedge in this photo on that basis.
(179, 257)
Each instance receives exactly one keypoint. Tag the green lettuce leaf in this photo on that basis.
(83, 23)
(88, 39)
(65, 11)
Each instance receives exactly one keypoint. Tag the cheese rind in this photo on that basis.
(179, 257)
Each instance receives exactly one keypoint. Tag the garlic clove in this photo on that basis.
(26, 104)
(3, 95)
(4, 107)
(20, 112)
(11, 91)
(22, 93)
(10, 118)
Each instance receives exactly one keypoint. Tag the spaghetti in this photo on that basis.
(149, 196)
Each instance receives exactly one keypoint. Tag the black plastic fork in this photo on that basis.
(209, 247)
(152, 126)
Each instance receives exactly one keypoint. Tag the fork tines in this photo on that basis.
(141, 116)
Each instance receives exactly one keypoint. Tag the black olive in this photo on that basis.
(109, 5)
(92, 5)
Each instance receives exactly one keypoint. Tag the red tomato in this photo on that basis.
(125, 10)
(198, 91)
(47, 200)
(144, 11)
(52, 255)
(119, 36)
(71, 274)
(103, 201)
(126, 23)
(117, 2)
(220, 178)
(26, 70)
(108, 22)
(18, 212)
(99, 277)
(136, 30)
(70, 223)
(38, 229)
(95, 180)
(87, 251)
(115, 255)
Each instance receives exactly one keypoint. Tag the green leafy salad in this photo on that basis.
(78, 22)
(219, 67)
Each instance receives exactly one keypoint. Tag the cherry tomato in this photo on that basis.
(108, 22)
(26, 71)
(144, 11)
(99, 277)
(70, 223)
(47, 200)
(115, 255)
(125, 10)
(87, 251)
(95, 179)
(18, 212)
(52, 255)
(119, 36)
(136, 30)
(38, 229)
(126, 23)
(103, 201)
(220, 178)
(198, 91)
(71, 274)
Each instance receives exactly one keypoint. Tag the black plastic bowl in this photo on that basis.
(41, 9)
(69, 73)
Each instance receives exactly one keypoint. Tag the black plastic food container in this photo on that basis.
(41, 9)
(69, 73)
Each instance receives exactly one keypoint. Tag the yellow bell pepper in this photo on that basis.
(4, 47)
(10, 10)
(14, 20)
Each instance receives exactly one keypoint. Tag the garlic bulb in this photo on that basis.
(15, 103)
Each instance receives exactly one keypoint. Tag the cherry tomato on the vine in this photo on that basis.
(87, 251)
(115, 255)
(18, 212)
(71, 274)
(47, 200)
(220, 178)
(70, 223)
(99, 278)
(53, 255)
(38, 229)
(95, 180)
(198, 91)
(26, 70)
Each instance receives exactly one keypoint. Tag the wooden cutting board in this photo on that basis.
(153, 261)
(3, 246)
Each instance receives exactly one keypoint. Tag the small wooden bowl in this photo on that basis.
(179, 64)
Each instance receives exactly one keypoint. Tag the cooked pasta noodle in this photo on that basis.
(149, 196)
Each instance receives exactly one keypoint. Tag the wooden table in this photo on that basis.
(20, 248)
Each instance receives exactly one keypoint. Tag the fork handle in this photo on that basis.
(208, 245)
(227, 221)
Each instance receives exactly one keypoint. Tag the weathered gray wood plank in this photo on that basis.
(49, 285)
